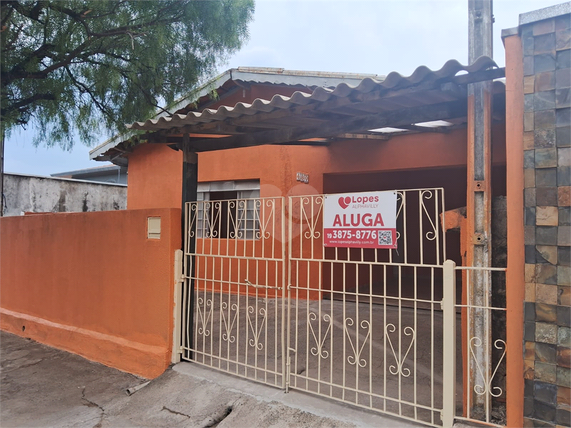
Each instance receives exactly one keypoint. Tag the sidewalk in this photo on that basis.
(41, 386)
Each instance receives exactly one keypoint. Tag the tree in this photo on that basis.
(90, 65)
(83, 66)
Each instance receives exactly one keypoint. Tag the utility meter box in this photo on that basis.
(153, 227)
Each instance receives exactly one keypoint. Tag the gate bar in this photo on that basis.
(177, 307)
(449, 344)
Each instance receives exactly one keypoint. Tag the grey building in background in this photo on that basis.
(105, 174)
(28, 193)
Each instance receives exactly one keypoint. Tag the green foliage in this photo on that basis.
(87, 66)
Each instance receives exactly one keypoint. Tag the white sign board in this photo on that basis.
(360, 220)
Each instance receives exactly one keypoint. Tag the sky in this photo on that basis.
(354, 36)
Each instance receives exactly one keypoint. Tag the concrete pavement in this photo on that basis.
(45, 387)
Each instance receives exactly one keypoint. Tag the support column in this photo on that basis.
(479, 204)
(189, 194)
(515, 281)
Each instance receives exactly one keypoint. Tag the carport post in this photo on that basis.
(479, 203)
(189, 194)
(449, 344)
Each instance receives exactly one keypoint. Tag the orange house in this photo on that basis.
(415, 156)
(327, 133)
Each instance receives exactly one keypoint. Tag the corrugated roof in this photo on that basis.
(393, 81)
(270, 76)
(249, 75)
(350, 107)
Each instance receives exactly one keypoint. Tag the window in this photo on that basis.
(228, 209)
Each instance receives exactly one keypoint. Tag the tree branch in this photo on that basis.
(27, 101)
(75, 16)
(31, 13)
(84, 89)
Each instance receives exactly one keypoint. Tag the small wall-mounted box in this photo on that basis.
(153, 227)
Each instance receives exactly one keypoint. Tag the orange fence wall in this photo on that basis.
(92, 284)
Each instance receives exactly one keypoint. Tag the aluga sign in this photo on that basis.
(360, 220)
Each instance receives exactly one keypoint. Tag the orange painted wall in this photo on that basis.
(276, 166)
(92, 284)
(155, 177)
(155, 171)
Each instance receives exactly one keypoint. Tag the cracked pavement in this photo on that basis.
(45, 387)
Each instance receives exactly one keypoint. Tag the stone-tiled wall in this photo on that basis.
(547, 177)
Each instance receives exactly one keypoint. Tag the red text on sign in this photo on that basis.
(356, 220)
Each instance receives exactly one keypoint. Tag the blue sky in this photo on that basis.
(375, 36)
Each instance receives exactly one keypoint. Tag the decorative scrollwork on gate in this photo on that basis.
(318, 349)
(212, 212)
(262, 226)
(191, 221)
(486, 388)
(204, 315)
(428, 194)
(236, 215)
(256, 327)
(399, 369)
(229, 327)
(356, 357)
(311, 218)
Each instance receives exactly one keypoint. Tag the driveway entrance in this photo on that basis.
(377, 328)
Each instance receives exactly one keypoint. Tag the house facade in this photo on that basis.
(426, 161)
(252, 161)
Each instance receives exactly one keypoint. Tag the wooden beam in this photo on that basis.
(319, 143)
(357, 124)
(349, 136)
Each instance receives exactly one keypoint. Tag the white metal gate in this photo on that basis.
(374, 328)
(233, 315)
(369, 320)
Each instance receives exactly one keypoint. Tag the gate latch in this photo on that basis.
(257, 286)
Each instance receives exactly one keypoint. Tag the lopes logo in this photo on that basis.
(344, 202)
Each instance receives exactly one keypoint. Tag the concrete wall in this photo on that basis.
(92, 284)
(543, 70)
(26, 193)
